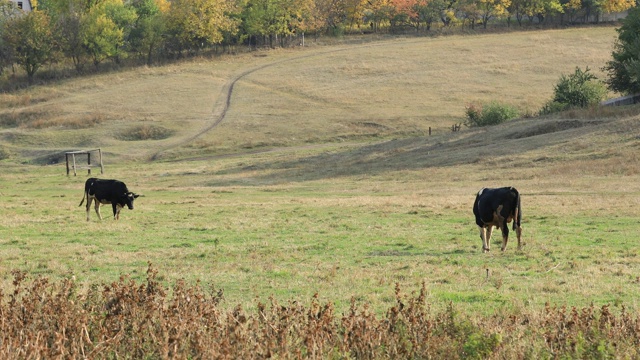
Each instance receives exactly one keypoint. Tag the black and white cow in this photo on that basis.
(112, 192)
(498, 207)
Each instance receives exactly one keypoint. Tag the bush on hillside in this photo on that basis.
(580, 89)
(489, 114)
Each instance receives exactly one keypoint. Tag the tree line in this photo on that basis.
(87, 33)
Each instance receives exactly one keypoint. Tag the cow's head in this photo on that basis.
(128, 199)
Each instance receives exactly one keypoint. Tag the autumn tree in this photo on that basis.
(8, 11)
(518, 9)
(447, 9)
(355, 11)
(196, 24)
(149, 27)
(403, 13)
(571, 8)
(331, 14)
(611, 6)
(31, 41)
(550, 8)
(428, 11)
(469, 12)
(68, 17)
(102, 38)
(540, 9)
(311, 18)
(378, 12)
(492, 8)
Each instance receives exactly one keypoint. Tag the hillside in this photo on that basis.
(577, 143)
(389, 89)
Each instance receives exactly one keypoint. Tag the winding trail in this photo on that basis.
(224, 101)
(219, 111)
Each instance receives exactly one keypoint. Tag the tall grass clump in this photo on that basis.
(578, 90)
(146, 320)
(489, 114)
(145, 132)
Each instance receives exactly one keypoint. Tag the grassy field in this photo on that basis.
(321, 179)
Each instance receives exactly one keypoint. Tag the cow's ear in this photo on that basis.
(135, 196)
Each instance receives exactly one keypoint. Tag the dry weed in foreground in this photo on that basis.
(129, 320)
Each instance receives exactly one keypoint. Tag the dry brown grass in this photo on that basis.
(125, 319)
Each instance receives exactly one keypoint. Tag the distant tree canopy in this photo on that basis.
(97, 31)
(624, 68)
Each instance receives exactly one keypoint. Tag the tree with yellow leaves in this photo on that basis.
(195, 24)
(611, 6)
(572, 7)
(492, 8)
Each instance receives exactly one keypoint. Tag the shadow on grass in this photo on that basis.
(490, 146)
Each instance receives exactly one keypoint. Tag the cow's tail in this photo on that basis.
(518, 214)
(84, 194)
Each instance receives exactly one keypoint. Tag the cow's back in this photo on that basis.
(105, 188)
(489, 200)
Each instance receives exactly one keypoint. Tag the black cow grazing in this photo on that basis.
(498, 207)
(112, 192)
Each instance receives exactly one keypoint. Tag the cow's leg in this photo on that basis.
(483, 236)
(89, 199)
(98, 209)
(116, 211)
(519, 235)
(504, 226)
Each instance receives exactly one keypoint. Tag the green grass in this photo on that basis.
(342, 238)
(322, 179)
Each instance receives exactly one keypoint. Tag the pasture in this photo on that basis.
(321, 177)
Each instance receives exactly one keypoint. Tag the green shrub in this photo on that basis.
(580, 89)
(489, 114)
(624, 67)
(553, 107)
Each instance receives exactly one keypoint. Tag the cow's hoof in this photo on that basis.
(485, 250)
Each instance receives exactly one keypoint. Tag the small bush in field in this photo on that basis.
(489, 114)
(580, 89)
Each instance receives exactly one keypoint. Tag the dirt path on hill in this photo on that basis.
(219, 112)
(224, 101)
